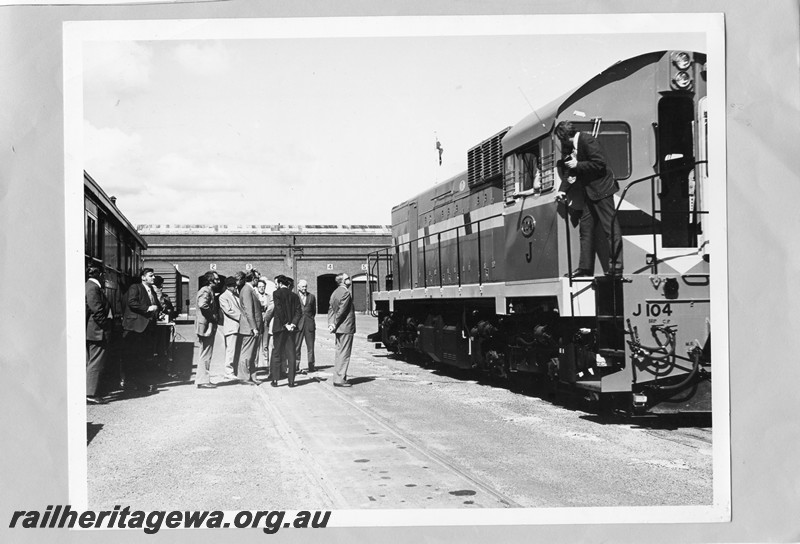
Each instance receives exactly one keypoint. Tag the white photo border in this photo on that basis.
(76, 33)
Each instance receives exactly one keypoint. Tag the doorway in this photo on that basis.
(326, 285)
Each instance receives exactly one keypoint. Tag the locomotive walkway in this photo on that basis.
(403, 436)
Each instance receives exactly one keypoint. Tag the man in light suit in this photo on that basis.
(307, 327)
(285, 317)
(139, 326)
(231, 311)
(251, 326)
(588, 171)
(342, 322)
(206, 319)
(98, 325)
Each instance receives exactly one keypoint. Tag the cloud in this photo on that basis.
(204, 60)
(117, 67)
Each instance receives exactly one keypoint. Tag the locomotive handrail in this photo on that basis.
(383, 253)
(650, 178)
(397, 246)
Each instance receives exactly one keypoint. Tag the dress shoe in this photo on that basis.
(95, 400)
(343, 384)
(273, 383)
(311, 369)
(581, 273)
(206, 386)
(291, 384)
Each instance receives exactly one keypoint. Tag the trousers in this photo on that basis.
(203, 373)
(282, 348)
(344, 346)
(597, 236)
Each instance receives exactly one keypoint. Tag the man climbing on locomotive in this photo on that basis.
(586, 167)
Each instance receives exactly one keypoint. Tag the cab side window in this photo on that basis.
(523, 173)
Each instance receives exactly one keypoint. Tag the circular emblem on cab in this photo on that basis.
(462, 185)
(528, 226)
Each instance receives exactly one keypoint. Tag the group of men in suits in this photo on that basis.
(588, 186)
(142, 309)
(286, 317)
(251, 318)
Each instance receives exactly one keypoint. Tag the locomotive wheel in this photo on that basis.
(498, 367)
(552, 378)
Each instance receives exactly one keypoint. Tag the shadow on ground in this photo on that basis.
(602, 413)
(91, 431)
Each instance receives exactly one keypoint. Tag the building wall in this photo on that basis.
(315, 254)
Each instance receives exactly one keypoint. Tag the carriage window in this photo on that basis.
(111, 248)
(91, 236)
(615, 137)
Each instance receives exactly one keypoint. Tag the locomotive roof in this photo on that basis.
(534, 125)
(438, 189)
(541, 121)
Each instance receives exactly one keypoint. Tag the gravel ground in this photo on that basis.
(403, 436)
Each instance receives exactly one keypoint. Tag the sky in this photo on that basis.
(314, 130)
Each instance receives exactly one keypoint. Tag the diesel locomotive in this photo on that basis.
(478, 274)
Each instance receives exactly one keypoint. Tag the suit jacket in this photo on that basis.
(97, 308)
(251, 310)
(207, 315)
(592, 171)
(342, 313)
(231, 311)
(307, 322)
(136, 317)
(287, 309)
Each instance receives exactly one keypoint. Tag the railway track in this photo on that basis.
(377, 465)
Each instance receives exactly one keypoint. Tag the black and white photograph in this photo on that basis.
(445, 275)
(509, 240)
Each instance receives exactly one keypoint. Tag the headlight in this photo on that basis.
(681, 60)
(682, 80)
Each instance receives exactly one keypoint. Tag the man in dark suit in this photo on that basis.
(250, 326)
(342, 322)
(307, 327)
(139, 325)
(588, 171)
(286, 315)
(206, 319)
(98, 325)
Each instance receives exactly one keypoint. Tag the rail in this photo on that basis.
(404, 273)
(385, 255)
(653, 211)
(653, 228)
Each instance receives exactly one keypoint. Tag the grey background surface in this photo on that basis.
(763, 120)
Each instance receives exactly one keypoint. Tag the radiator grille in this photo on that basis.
(485, 160)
